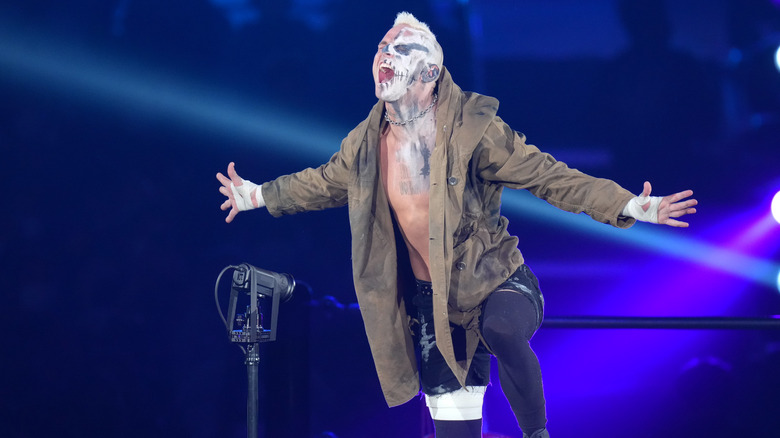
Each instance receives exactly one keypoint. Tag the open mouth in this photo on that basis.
(386, 74)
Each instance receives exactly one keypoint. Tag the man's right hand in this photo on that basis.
(241, 194)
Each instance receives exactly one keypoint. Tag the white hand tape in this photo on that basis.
(634, 208)
(243, 195)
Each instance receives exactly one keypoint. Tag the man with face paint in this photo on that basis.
(430, 161)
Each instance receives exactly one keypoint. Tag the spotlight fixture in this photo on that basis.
(775, 206)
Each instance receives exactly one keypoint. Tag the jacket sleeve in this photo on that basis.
(314, 189)
(503, 157)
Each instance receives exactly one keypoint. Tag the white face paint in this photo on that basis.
(402, 56)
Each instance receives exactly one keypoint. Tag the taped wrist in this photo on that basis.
(243, 195)
(634, 208)
(259, 197)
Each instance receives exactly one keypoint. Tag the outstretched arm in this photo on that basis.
(661, 210)
(242, 194)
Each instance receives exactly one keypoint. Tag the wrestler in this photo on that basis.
(432, 160)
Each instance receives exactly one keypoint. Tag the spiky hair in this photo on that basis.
(407, 19)
(412, 21)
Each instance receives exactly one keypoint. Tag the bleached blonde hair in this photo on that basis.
(410, 20)
(406, 18)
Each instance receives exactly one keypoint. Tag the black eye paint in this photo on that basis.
(402, 49)
(405, 49)
(415, 46)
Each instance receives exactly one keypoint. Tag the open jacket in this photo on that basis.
(475, 156)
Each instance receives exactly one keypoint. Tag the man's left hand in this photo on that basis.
(661, 210)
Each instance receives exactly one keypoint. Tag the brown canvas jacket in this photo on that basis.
(471, 252)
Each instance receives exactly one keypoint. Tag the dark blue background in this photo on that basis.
(115, 116)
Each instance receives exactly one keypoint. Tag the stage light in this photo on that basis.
(775, 206)
(778, 281)
(777, 58)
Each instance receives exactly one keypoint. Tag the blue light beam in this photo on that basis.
(96, 78)
(645, 236)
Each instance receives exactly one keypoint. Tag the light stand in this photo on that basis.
(247, 328)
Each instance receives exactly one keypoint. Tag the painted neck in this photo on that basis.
(411, 108)
(414, 118)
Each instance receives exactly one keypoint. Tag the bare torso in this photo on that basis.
(404, 160)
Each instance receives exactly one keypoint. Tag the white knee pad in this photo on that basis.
(463, 404)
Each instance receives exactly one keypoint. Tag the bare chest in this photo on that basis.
(406, 169)
(406, 178)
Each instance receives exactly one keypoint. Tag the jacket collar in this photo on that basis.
(470, 113)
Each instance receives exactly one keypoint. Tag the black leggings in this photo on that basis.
(510, 317)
